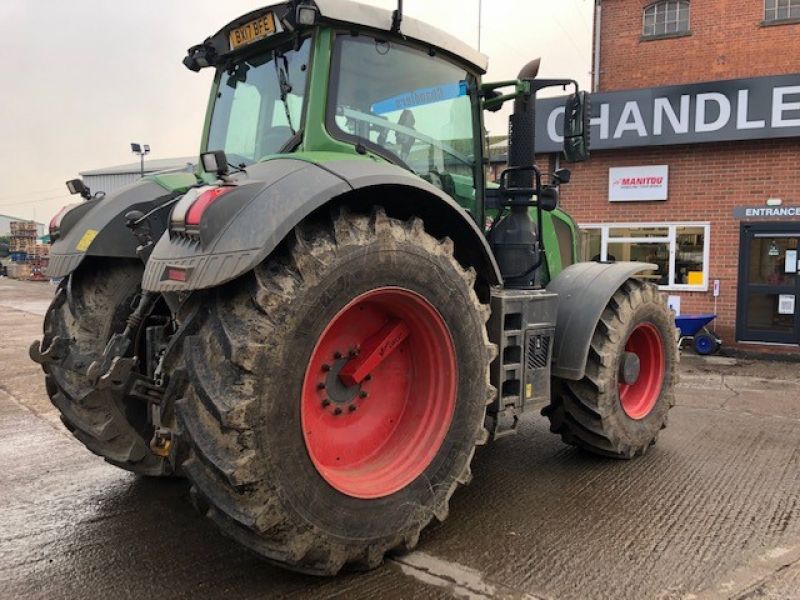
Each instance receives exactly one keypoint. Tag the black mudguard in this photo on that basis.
(97, 227)
(243, 227)
(584, 290)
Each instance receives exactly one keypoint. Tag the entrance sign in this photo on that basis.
(715, 111)
(765, 212)
(631, 184)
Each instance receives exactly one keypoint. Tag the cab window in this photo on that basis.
(411, 107)
(259, 102)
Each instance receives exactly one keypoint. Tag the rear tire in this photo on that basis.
(600, 413)
(250, 369)
(89, 307)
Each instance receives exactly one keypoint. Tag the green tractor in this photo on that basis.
(341, 308)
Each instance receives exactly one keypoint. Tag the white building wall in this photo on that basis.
(5, 226)
(109, 183)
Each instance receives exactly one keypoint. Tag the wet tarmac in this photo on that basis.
(713, 511)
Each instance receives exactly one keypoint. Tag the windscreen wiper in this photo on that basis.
(285, 86)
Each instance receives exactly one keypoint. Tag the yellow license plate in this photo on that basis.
(253, 31)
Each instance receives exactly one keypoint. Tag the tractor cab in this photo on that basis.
(339, 76)
(336, 80)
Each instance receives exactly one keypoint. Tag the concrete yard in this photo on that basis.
(713, 511)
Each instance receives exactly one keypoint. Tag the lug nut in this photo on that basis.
(326, 403)
(321, 385)
(354, 353)
(352, 408)
(337, 355)
(326, 367)
(363, 394)
(338, 411)
(368, 378)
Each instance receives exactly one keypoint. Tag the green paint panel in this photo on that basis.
(323, 157)
(316, 137)
(174, 182)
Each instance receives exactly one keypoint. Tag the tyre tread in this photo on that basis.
(581, 411)
(81, 311)
(220, 467)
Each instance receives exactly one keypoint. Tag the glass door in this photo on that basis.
(769, 284)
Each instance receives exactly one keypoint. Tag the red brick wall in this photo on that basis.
(727, 41)
(706, 181)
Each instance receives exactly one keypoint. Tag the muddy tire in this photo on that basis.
(89, 307)
(283, 457)
(604, 413)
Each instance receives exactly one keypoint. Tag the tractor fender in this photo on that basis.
(97, 227)
(243, 227)
(584, 290)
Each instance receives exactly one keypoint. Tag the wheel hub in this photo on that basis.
(379, 393)
(340, 399)
(629, 368)
(642, 371)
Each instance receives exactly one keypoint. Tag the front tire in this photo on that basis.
(290, 462)
(604, 413)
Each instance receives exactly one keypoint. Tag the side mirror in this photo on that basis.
(215, 162)
(562, 176)
(548, 199)
(577, 126)
(76, 186)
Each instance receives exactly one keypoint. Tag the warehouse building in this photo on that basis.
(109, 179)
(696, 157)
(5, 225)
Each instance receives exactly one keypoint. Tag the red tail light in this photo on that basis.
(176, 274)
(206, 199)
(55, 222)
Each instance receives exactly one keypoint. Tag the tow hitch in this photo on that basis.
(114, 369)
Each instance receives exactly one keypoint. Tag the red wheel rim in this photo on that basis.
(639, 398)
(373, 438)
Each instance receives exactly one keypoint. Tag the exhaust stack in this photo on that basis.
(522, 129)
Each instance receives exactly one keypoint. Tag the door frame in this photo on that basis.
(748, 230)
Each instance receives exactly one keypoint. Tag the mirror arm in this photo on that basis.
(493, 102)
(540, 84)
(496, 103)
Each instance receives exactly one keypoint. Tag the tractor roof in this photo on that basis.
(346, 12)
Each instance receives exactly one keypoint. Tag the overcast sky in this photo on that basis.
(81, 79)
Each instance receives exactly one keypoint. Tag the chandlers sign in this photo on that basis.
(717, 111)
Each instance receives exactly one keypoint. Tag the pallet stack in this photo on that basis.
(28, 258)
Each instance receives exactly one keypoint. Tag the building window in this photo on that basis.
(681, 250)
(667, 17)
(781, 10)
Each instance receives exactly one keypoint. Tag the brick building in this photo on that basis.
(696, 156)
